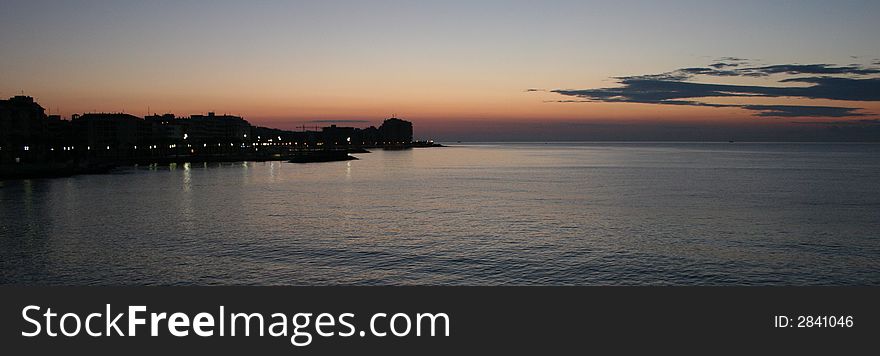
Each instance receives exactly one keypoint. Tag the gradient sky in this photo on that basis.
(459, 70)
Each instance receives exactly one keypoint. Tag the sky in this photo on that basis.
(463, 70)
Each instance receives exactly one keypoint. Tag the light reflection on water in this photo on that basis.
(582, 214)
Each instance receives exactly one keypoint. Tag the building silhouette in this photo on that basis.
(110, 131)
(24, 130)
(213, 128)
(29, 136)
(396, 131)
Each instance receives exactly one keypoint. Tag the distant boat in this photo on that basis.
(730, 141)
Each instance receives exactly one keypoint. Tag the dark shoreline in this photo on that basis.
(105, 165)
(72, 168)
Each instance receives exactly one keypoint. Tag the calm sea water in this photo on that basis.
(485, 214)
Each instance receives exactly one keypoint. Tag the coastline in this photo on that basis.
(103, 165)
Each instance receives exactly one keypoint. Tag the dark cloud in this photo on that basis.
(673, 88)
(803, 111)
(708, 71)
(835, 88)
(728, 62)
(723, 70)
(535, 89)
(824, 69)
(862, 122)
(722, 65)
(641, 90)
(735, 67)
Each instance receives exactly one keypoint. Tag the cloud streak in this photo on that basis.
(802, 111)
(854, 83)
(862, 122)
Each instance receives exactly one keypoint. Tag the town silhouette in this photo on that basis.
(33, 143)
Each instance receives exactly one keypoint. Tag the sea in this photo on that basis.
(574, 213)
